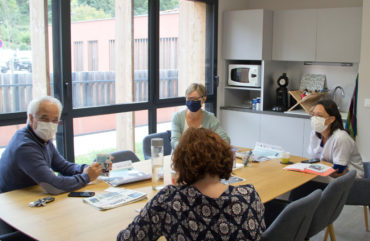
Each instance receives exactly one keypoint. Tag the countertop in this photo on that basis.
(294, 113)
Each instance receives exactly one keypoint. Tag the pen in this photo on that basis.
(245, 162)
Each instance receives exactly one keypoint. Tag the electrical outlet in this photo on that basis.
(367, 103)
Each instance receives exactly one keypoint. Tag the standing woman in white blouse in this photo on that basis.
(331, 143)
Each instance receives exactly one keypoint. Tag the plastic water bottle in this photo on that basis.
(254, 104)
(157, 163)
(258, 103)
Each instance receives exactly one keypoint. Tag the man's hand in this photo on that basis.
(93, 171)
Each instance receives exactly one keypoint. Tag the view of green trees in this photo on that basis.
(15, 22)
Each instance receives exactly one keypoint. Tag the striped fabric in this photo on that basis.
(351, 123)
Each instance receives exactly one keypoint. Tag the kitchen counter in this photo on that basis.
(300, 113)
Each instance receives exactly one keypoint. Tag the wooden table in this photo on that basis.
(71, 219)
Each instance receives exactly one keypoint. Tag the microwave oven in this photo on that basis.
(244, 75)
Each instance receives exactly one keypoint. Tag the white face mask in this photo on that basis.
(318, 124)
(46, 130)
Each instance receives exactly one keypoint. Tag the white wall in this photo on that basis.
(335, 76)
(363, 114)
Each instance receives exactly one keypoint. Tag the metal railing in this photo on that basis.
(88, 88)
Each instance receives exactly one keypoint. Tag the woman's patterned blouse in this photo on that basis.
(184, 213)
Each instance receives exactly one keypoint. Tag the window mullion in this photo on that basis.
(62, 74)
(153, 58)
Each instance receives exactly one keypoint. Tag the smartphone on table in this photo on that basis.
(312, 160)
(81, 194)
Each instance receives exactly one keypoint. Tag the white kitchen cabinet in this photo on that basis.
(339, 34)
(286, 132)
(243, 128)
(294, 35)
(323, 35)
(246, 128)
(306, 136)
(247, 34)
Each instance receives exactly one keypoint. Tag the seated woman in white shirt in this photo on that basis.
(330, 142)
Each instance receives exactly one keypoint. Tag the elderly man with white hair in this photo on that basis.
(31, 158)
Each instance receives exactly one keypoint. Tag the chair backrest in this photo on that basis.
(360, 190)
(126, 155)
(366, 169)
(166, 143)
(293, 222)
(331, 203)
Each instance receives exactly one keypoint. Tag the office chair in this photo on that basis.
(15, 236)
(8, 233)
(360, 193)
(166, 143)
(293, 222)
(126, 155)
(331, 204)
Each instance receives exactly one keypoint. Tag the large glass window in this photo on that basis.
(15, 56)
(100, 134)
(164, 117)
(117, 52)
(21, 78)
(105, 64)
(182, 23)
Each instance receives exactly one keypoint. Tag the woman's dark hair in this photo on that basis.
(201, 151)
(332, 109)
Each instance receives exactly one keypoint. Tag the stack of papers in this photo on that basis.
(263, 152)
(114, 197)
(124, 172)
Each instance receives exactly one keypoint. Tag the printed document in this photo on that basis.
(124, 172)
(114, 197)
(263, 151)
(231, 180)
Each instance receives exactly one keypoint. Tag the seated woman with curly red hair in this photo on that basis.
(200, 207)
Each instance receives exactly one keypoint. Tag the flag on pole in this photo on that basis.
(351, 122)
